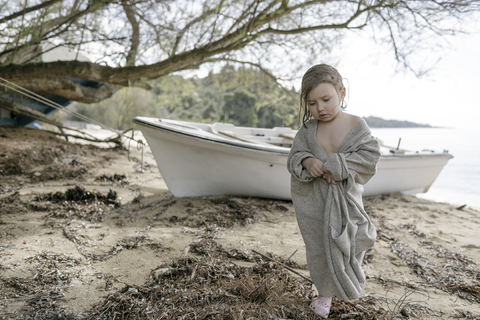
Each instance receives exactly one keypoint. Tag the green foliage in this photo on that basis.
(243, 96)
(241, 107)
(118, 111)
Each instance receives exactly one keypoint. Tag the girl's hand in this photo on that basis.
(313, 166)
(327, 176)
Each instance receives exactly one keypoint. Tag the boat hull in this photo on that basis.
(197, 166)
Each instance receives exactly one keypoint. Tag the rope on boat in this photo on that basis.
(36, 115)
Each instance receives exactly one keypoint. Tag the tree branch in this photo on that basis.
(28, 10)
(71, 90)
(185, 29)
(253, 64)
(135, 40)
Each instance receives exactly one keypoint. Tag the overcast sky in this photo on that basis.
(449, 96)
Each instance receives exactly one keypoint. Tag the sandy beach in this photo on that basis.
(93, 233)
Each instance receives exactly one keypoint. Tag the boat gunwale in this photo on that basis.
(239, 144)
(246, 145)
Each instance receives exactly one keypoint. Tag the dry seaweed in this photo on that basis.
(14, 204)
(211, 288)
(207, 246)
(112, 178)
(228, 212)
(125, 244)
(42, 291)
(450, 277)
(79, 194)
(41, 156)
(465, 315)
(77, 202)
(454, 273)
(44, 162)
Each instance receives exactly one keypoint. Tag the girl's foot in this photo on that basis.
(321, 306)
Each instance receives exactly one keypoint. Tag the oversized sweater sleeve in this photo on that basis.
(358, 160)
(299, 151)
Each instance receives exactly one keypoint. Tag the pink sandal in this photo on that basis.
(321, 306)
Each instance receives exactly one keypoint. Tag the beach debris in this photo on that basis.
(138, 198)
(212, 288)
(14, 203)
(79, 194)
(41, 156)
(76, 202)
(83, 242)
(51, 275)
(284, 266)
(206, 245)
(461, 207)
(464, 314)
(410, 304)
(272, 274)
(439, 267)
(112, 178)
(222, 212)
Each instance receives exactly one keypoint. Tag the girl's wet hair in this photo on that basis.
(312, 78)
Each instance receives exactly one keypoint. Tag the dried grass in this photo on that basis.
(212, 288)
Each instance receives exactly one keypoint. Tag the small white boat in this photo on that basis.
(198, 159)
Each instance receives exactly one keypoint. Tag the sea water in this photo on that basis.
(459, 181)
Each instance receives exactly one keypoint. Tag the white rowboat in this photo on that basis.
(198, 159)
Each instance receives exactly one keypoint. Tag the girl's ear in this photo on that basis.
(343, 93)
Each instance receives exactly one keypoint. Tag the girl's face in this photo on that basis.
(324, 102)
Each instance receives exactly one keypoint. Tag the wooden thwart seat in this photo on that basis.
(234, 135)
(289, 136)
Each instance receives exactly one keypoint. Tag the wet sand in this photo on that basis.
(93, 233)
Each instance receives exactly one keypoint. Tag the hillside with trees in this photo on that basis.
(375, 122)
(242, 96)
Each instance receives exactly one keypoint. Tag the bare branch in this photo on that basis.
(188, 26)
(28, 10)
(253, 64)
(135, 40)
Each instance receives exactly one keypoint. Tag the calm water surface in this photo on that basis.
(459, 181)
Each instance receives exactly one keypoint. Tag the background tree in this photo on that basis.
(119, 110)
(241, 107)
(246, 96)
(132, 41)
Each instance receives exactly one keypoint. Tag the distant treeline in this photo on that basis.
(374, 122)
(242, 96)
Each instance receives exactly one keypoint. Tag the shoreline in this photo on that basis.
(453, 201)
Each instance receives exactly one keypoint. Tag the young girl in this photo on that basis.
(332, 157)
